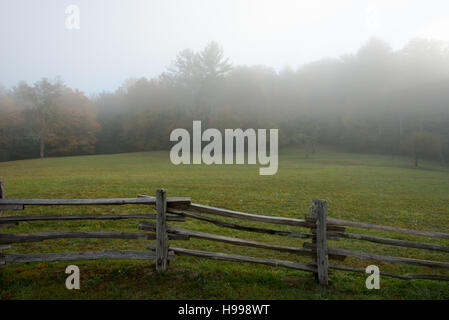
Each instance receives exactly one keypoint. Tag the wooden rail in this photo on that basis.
(178, 209)
(88, 255)
(11, 207)
(15, 219)
(410, 276)
(393, 242)
(207, 236)
(378, 257)
(83, 202)
(322, 229)
(9, 238)
(248, 216)
(237, 258)
(185, 213)
(346, 223)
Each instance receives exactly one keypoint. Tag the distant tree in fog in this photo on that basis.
(11, 126)
(195, 68)
(421, 145)
(213, 64)
(40, 101)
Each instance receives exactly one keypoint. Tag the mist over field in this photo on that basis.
(374, 87)
(377, 100)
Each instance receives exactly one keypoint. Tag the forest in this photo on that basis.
(376, 100)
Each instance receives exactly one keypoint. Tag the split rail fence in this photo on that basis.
(320, 229)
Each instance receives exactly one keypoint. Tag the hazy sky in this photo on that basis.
(119, 39)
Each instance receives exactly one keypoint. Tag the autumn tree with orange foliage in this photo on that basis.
(60, 120)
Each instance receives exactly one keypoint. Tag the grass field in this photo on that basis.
(368, 188)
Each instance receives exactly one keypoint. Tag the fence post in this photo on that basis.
(319, 210)
(161, 231)
(2, 196)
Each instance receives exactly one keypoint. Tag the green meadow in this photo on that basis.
(369, 188)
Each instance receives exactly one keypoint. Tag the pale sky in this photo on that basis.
(119, 39)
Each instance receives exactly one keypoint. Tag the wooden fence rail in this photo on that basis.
(231, 240)
(320, 227)
(17, 219)
(10, 238)
(346, 223)
(7, 239)
(88, 255)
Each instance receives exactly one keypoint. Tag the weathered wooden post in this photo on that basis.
(2, 196)
(319, 213)
(161, 231)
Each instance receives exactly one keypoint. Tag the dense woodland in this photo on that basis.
(377, 100)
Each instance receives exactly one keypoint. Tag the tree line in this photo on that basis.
(377, 100)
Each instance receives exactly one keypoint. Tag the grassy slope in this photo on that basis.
(366, 188)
